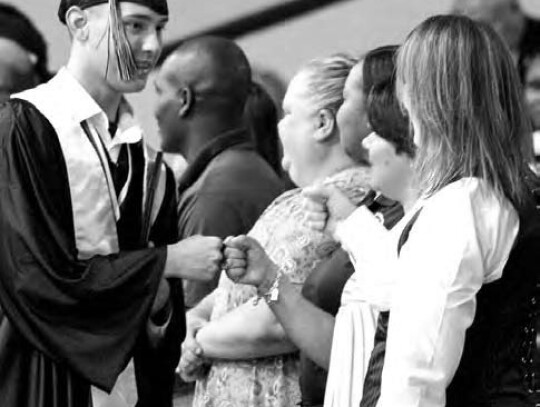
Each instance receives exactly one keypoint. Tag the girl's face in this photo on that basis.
(391, 173)
(352, 117)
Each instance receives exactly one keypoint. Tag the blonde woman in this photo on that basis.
(252, 362)
(462, 314)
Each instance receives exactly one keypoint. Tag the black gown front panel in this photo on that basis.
(65, 323)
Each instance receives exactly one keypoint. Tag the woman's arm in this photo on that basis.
(203, 310)
(249, 331)
(253, 331)
(310, 328)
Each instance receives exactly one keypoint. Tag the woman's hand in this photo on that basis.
(247, 262)
(192, 364)
(325, 207)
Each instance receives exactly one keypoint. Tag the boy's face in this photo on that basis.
(143, 28)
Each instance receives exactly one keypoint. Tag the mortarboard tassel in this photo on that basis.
(127, 66)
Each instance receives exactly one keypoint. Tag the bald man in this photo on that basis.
(521, 33)
(202, 90)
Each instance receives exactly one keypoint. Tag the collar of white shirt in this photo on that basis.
(86, 108)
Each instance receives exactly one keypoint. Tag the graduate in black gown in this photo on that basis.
(89, 267)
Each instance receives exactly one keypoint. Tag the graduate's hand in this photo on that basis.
(325, 207)
(195, 258)
(246, 262)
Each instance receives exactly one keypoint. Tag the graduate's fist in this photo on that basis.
(246, 262)
(195, 258)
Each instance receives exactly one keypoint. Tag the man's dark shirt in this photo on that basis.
(222, 193)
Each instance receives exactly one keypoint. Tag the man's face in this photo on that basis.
(168, 106)
(532, 91)
(143, 28)
(505, 16)
(16, 69)
(351, 117)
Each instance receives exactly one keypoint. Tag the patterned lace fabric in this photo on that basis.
(297, 249)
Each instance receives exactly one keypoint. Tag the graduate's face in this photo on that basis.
(296, 131)
(351, 117)
(391, 173)
(143, 28)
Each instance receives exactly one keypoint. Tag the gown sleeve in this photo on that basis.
(86, 315)
(155, 365)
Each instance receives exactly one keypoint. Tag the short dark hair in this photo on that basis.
(379, 66)
(224, 74)
(16, 26)
(387, 119)
(261, 118)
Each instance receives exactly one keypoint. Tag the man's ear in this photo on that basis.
(77, 23)
(187, 100)
(326, 124)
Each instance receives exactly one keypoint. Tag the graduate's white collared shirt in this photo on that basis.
(460, 241)
(85, 108)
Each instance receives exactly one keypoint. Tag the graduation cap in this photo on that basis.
(127, 65)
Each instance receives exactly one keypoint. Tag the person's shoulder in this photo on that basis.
(17, 108)
(240, 170)
(238, 160)
(468, 188)
(471, 198)
(353, 182)
(287, 199)
(18, 114)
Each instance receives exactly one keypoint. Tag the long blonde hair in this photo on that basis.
(457, 79)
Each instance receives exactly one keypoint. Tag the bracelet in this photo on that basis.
(272, 294)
